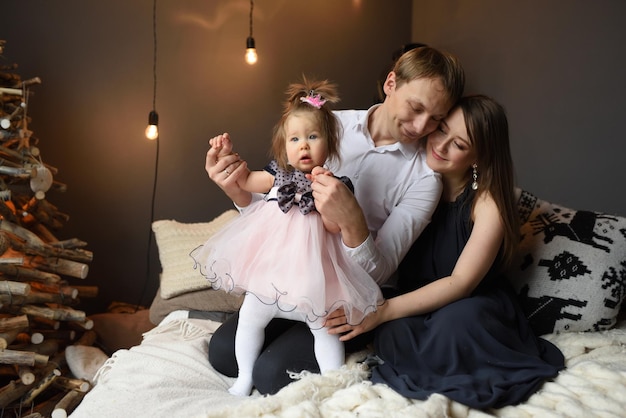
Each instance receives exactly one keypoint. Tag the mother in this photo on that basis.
(456, 327)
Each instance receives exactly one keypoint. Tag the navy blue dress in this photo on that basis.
(479, 351)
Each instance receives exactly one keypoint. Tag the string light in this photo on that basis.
(251, 55)
(152, 132)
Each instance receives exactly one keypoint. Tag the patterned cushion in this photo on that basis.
(571, 268)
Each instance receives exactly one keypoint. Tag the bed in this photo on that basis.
(570, 276)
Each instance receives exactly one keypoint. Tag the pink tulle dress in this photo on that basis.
(279, 251)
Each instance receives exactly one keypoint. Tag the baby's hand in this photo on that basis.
(222, 144)
(318, 171)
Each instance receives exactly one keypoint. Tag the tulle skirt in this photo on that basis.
(288, 259)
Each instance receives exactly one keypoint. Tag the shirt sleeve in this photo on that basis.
(381, 255)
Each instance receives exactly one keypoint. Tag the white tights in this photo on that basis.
(254, 316)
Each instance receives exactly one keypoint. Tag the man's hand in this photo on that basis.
(225, 167)
(337, 204)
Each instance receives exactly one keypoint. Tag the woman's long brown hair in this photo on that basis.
(488, 129)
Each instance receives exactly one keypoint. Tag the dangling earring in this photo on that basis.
(474, 177)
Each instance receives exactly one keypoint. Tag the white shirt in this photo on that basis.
(395, 188)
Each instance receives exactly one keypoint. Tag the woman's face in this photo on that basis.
(449, 148)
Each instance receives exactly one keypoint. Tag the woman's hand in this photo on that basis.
(337, 323)
(225, 167)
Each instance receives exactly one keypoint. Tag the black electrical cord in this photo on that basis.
(156, 162)
(251, 9)
(154, 53)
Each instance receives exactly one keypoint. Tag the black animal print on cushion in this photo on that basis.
(570, 274)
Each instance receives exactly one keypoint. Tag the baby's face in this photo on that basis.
(306, 146)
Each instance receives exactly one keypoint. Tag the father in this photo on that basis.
(395, 194)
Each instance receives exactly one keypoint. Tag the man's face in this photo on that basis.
(415, 108)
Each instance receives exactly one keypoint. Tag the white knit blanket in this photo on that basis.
(168, 375)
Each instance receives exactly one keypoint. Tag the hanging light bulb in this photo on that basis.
(152, 131)
(251, 55)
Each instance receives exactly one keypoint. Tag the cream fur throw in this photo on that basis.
(168, 375)
(593, 385)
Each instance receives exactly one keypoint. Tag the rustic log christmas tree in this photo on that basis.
(38, 315)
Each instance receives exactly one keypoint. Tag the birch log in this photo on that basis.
(9, 287)
(26, 374)
(14, 322)
(56, 288)
(68, 383)
(67, 404)
(59, 313)
(59, 266)
(28, 274)
(7, 337)
(22, 358)
(12, 392)
(40, 386)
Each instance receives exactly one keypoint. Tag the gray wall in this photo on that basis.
(556, 65)
(558, 68)
(95, 61)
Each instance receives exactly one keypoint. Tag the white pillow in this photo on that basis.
(175, 240)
